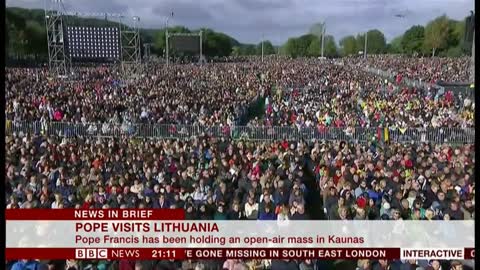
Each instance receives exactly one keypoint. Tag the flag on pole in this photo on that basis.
(379, 134)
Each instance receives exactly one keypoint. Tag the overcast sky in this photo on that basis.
(246, 20)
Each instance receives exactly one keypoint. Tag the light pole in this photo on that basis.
(365, 49)
(147, 51)
(323, 35)
(166, 38)
(472, 61)
(201, 46)
(263, 39)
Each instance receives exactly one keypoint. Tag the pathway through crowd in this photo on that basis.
(314, 204)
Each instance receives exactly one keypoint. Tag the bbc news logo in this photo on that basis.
(91, 253)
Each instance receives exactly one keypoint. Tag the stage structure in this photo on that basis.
(116, 42)
(146, 52)
(131, 54)
(185, 42)
(59, 61)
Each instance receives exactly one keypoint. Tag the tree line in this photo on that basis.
(25, 36)
(441, 36)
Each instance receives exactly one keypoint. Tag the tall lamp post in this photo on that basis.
(263, 41)
(324, 30)
(472, 60)
(166, 38)
(365, 49)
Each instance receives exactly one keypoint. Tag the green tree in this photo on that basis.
(216, 44)
(460, 31)
(15, 26)
(412, 41)
(455, 52)
(360, 41)
(466, 40)
(6, 37)
(14, 16)
(282, 50)
(456, 33)
(298, 47)
(292, 47)
(376, 42)
(236, 51)
(314, 49)
(436, 34)
(148, 35)
(17, 42)
(268, 48)
(303, 44)
(330, 46)
(455, 39)
(37, 39)
(395, 46)
(317, 29)
(348, 45)
(249, 49)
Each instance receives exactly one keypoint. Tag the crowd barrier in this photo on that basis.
(358, 134)
(409, 82)
(391, 74)
(462, 91)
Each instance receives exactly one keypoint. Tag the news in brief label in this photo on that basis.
(151, 234)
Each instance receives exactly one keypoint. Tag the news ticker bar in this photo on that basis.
(150, 233)
(96, 214)
(239, 253)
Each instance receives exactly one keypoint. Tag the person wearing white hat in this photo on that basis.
(385, 209)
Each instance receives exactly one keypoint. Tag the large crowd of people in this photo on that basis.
(184, 95)
(235, 180)
(302, 93)
(347, 97)
(222, 178)
(244, 265)
(425, 69)
(211, 94)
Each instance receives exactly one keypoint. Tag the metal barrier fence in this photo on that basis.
(463, 91)
(390, 74)
(359, 134)
(407, 81)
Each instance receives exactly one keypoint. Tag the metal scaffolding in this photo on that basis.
(146, 52)
(130, 52)
(58, 61)
(130, 55)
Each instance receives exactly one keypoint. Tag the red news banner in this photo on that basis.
(161, 234)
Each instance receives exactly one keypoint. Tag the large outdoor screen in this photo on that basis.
(93, 42)
(185, 43)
